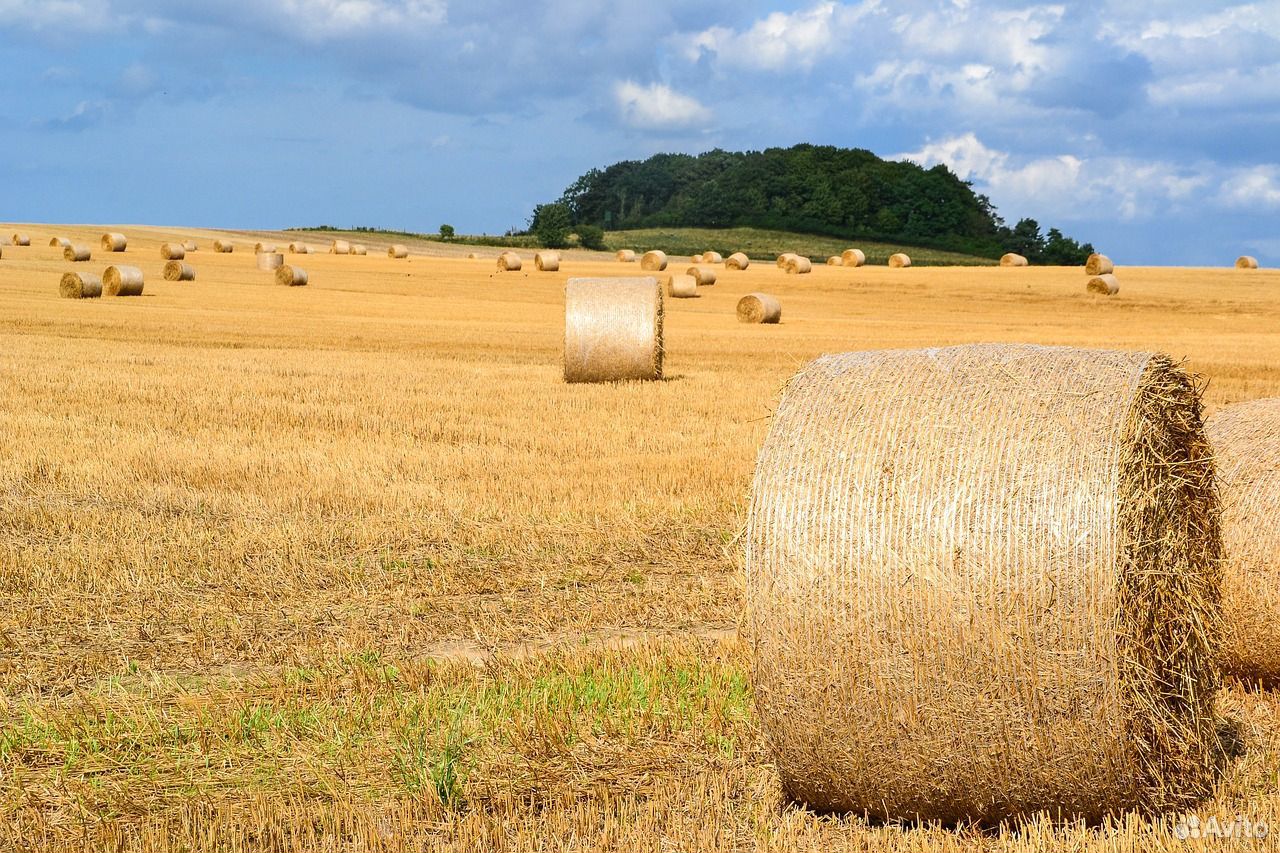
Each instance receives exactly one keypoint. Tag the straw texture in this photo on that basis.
(80, 285)
(509, 262)
(1012, 259)
(122, 281)
(339, 247)
(1098, 264)
(1105, 284)
(1246, 443)
(703, 275)
(983, 581)
(291, 276)
(76, 254)
(899, 260)
(798, 265)
(853, 257)
(654, 261)
(682, 287)
(397, 251)
(759, 308)
(114, 242)
(546, 261)
(1246, 262)
(737, 261)
(626, 256)
(270, 261)
(612, 329)
(178, 271)
(173, 251)
(20, 239)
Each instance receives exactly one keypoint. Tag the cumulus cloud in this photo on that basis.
(657, 107)
(1257, 188)
(81, 15)
(780, 41)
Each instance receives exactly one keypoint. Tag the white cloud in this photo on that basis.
(657, 106)
(1257, 188)
(781, 41)
(78, 15)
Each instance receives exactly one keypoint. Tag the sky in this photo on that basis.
(1151, 130)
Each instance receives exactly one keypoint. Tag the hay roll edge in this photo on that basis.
(122, 281)
(798, 265)
(703, 275)
(899, 260)
(223, 247)
(1105, 284)
(20, 239)
(1246, 262)
(397, 251)
(682, 286)
(612, 329)
(737, 261)
(853, 257)
(1012, 259)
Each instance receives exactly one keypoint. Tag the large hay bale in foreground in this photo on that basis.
(899, 260)
(983, 582)
(702, 275)
(114, 242)
(654, 261)
(1097, 264)
(1246, 262)
(798, 265)
(682, 286)
(339, 247)
(853, 257)
(172, 251)
(1105, 284)
(759, 308)
(712, 258)
(299, 249)
(397, 251)
(290, 276)
(626, 256)
(1246, 445)
(20, 239)
(509, 262)
(122, 281)
(178, 271)
(737, 261)
(59, 242)
(224, 247)
(546, 261)
(1012, 259)
(76, 253)
(270, 261)
(80, 285)
(612, 329)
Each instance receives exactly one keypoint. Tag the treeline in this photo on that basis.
(837, 192)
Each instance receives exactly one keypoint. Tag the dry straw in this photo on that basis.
(783, 259)
(853, 257)
(899, 260)
(59, 242)
(291, 276)
(270, 261)
(712, 258)
(703, 275)
(798, 265)
(1246, 443)
(1246, 262)
(737, 261)
(1098, 265)
(626, 256)
(122, 281)
(759, 308)
(299, 249)
(682, 287)
(20, 239)
(546, 261)
(1106, 284)
(80, 285)
(172, 251)
(190, 246)
(398, 251)
(835, 261)
(1012, 259)
(76, 253)
(983, 582)
(509, 262)
(654, 261)
(359, 249)
(114, 242)
(178, 271)
(612, 329)
(223, 246)
(339, 247)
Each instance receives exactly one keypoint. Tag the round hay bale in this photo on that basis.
(472, 256)
(299, 249)
(612, 329)
(190, 246)
(172, 251)
(783, 259)
(547, 261)
(76, 254)
(1098, 265)
(853, 257)
(682, 286)
(59, 242)
(654, 261)
(626, 256)
(835, 261)
(737, 261)
(224, 247)
(798, 265)
(1011, 259)
(359, 249)
(1106, 284)
(339, 247)
(260, 248)
(80, 285)
(703, 275)
(1246, 262)
(270, 261)
(1246, 444)
(20, 239)
(696, 259)
(291, 276)
(178, 271)
(982, 581)
(398, 251)
(712, 258)
(508, 262)
(899, 260)
(759, 308)
(122, 281)
(113, 242)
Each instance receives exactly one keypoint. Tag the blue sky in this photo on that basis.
(1151, 129)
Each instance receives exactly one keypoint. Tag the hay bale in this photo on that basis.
(172, 251)
(1246, 262)
(178, 271)
(114, 242)
(80, 285)
(712, 258)
(626, 256)
(5, 241)
(982, 581)
(224, 247)
(76, 254)
(397, 251)
(359, 249)
(59, 242)
(759, 308)
(682, 287)
(339, 247)
(899, 260)
(20, 239)
(703, 275)
(835, 261)
(1246, 445)
(798, 265)
(122, 281)
(290, 276)
(269, 261)
(190, 246)
(508, 262)
(260, 248)
(1106, 284)
(612, 329)
(472, 256)
(547, 261)
(696, 259)
(737, 261)
(1098, 265)
(783, 259)
(1010, 259)
(853, 257)
(654, 261)
(299, 249)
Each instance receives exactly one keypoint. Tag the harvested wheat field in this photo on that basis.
(351, 566)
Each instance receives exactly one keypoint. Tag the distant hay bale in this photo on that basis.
(835, 261)
(76, 253)
(60, 242)
(190, 246)
(696, 259)
(626, 256)
(397, 251)
(703, 275)
(299, 249)
(737, 261)
(546, 261)
(20, 239)
(1011, 259)
(853, 257)
(114, 242)
(982, 582)
(899, 260)
(80, 285)
(612, 329)
(682, 287)
(1106, 284)
(1098, 265)
(172, 251)
(759, 308)
(259, 248)
(798, 265)
(339, 247)
(359, 249)
(1246, 444)
(712, 258)
(472, 256)
(178, 271)
(122, 281)
(654, 261)
(269, 261)
(783, 258)
(224, 247)
(1246, 262)
(509, 262)
(291, 276)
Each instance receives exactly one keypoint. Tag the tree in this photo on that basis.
(590, 236)
(1025, 239)
(446, 232)
(551, 224)
(1063, 251)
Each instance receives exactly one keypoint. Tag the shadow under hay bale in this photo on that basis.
(612, 329)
